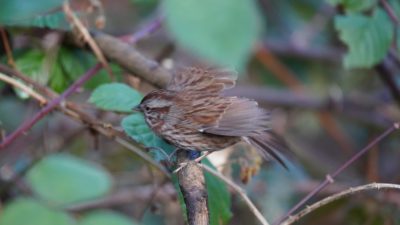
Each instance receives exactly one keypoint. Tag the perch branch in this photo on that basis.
(194, 191)
(343, 194)
(329, 178)
(74, 20)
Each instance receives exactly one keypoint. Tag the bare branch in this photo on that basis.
(49, 107)
(240, 191)
(330, 177)
(194, 191)
(343, 194)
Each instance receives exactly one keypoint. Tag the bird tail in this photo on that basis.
(269, 145)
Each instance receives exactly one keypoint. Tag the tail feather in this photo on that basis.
(268, 146)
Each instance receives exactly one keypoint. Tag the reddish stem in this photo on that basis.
(50, 106)
(330, 177)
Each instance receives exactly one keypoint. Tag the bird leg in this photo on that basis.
(182, 165)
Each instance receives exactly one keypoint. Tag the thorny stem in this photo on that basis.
(146, 30)
(345, 193)
(330, 177)
(43, 112)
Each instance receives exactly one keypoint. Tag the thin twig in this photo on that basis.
(148, 29)
(345, 193)
(23, 87)
(240, 191)
(390, 12)
(388, 79)
(43, 112)
(74, 113)
(87, 37)
(330, 177)
(7, 48)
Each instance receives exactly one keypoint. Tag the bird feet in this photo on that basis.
(197, 160)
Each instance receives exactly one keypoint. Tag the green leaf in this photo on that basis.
(355, 5)
(24, 211)
(64, 179)
(38, 13)
(222, 31)
(368, 38)
(219, 198)
(30, 63)
(106, 217)
(115, 97)
(135, 127)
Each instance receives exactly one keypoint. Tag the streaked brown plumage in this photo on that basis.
(192, 115)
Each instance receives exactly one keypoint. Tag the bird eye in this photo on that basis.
(147, 108)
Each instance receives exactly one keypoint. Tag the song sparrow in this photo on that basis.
(192, 115)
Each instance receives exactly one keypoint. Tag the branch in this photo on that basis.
(345, 193)
(73, 111)
(49, 107)
(126, 197)
(330, 177)
(194, 191)
(387, 78)
(132, 60)
(23, 88)
(240, 191)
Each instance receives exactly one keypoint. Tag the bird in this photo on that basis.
(192, 114)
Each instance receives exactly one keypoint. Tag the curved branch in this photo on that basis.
(240, 191)
(132, 60)
(343, 194)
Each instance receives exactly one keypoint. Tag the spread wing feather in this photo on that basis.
(208, 81)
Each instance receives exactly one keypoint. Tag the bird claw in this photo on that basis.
(197, 160)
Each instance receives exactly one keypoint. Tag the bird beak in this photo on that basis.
(137, 108)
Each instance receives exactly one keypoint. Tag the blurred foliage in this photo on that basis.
(355, 5)
(306, 37)
(105, 217)
(368, 38)
(60, 71)
(116, 97)
(225, 38)
(63, 179)
(39, 13)
(30, 211)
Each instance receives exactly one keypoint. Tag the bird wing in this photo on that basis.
(208, 81)
(242, 117)
(226, 116)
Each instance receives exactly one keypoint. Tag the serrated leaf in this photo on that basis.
(37, 13)
(25, 211)
(64, 179)
(106, 217)
(368, 38)
(222, 31)
(117, 97)
(354, 5)
(135, 127)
